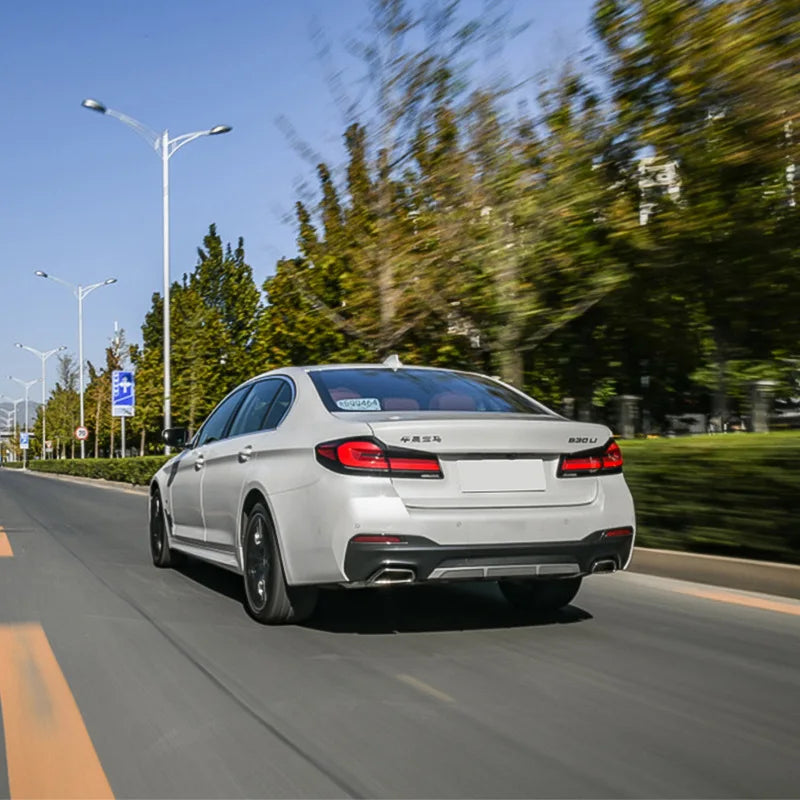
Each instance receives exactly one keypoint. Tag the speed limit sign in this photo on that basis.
(81, 433)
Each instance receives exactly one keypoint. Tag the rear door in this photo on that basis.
(230, 463)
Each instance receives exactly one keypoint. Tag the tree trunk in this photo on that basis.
(720, 399)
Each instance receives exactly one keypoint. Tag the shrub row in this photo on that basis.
(732, 494)
(136, 471)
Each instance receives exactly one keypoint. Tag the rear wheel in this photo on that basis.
(267, 597)
(159, 545)
(540, 595)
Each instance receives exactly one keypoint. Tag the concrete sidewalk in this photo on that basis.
(766, 577)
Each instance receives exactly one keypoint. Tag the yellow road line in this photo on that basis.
(48, 750)
(746, 600)
(425, 688)
(5, 545)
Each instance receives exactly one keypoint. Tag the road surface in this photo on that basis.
(118, 679)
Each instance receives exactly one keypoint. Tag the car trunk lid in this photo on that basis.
(492, 460)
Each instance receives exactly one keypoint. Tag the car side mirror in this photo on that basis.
(176, 437)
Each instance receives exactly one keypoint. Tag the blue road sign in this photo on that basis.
(122, 393)
(24, 441)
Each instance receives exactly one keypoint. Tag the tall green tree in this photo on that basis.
(709, 89)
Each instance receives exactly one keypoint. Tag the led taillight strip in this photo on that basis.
(607, 460)
(369, 457)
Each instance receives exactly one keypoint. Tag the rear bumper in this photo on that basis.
(419, 559)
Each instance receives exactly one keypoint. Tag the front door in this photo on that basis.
(185, 505)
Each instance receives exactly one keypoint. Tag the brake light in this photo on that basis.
(369, 457)
(606, 461)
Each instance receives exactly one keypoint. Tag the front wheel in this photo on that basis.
(543, 595)
(267, 597)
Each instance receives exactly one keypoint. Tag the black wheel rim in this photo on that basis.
(156, 526)
(256, 571)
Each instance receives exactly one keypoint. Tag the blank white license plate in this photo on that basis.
(502, 475)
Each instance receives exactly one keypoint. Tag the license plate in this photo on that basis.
(502, 475)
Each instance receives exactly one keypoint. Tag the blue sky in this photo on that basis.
(81, 193)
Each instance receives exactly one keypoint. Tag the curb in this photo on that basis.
(765, 577)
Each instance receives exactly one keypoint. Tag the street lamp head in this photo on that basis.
(94, 105)
(217, 129)
(109, 281)
(63, 347)
(17, 344)
(40, 273)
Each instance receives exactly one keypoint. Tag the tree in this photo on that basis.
(63, 406)
(709, 87)
(215, 312)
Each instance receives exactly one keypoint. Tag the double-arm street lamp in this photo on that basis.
(165, 148)
(26, 385)
(80, 293)
(43, 355)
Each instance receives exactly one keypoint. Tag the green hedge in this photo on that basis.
(12, 464)
(731, 494)
(137, 471)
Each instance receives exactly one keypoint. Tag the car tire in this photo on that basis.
(159, 543)
(268, 599)
(540, 595)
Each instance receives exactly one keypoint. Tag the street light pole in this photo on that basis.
(80, 293)
(166, 148)
(26, 385)
(43, 355)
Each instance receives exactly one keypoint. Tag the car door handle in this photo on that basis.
(199, 462)
(245, 453)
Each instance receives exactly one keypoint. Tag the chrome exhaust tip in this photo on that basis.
(390, 576)
(604, 565)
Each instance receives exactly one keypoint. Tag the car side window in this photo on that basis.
(251, 413)
(280, 406)
(214, 427)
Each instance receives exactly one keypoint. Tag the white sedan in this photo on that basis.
(366, 476)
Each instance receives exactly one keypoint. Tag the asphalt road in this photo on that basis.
(644, 687)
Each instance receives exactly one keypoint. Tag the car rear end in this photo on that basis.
(461, 478)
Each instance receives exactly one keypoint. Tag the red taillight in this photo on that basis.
(612, 458)
(366, 456)
(605, 461)
(362, 455)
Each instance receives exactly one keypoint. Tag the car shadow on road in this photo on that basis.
(400, 609)
(428, 609)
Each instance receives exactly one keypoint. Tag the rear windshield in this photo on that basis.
(386, 389)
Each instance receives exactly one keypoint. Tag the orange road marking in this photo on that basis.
(746, 600)
(5, 545)
(48, 750)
